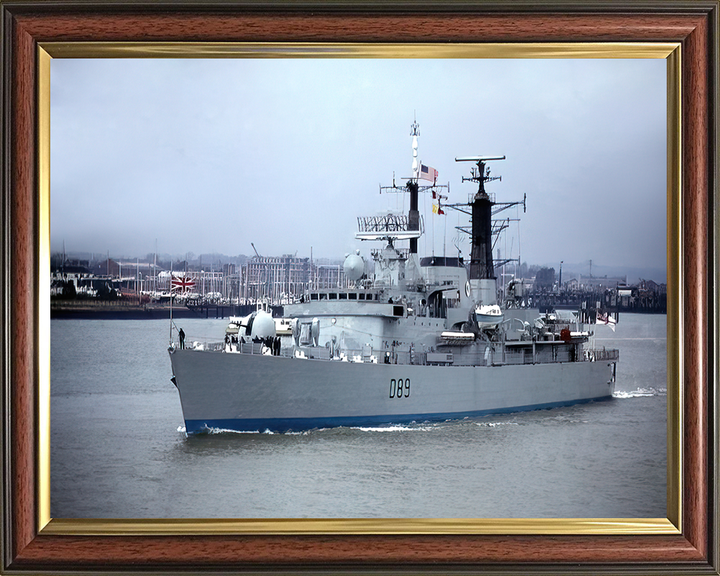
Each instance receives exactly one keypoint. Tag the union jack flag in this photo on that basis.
(182, 283)
(605, 318)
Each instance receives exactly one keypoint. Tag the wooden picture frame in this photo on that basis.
(30, 546)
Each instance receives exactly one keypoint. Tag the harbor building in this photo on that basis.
(279, 279)
(601, 282)
(284, 279)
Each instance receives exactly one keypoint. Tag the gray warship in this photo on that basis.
(420, 339)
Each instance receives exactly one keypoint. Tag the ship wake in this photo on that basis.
(641, 393)
(394, 428)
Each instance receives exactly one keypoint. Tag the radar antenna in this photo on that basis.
(481, 173)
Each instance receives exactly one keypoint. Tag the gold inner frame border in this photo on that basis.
(670, 51)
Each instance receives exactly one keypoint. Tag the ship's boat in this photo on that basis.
(419, 339)
(488, 316)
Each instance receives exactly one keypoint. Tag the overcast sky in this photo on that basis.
(210, 155)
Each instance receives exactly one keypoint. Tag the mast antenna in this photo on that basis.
(415, 132)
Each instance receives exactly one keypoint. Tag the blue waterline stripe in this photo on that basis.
(301, 424)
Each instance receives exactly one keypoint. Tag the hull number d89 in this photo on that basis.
(400, 388)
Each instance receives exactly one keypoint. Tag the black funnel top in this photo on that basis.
(481, 260)
(414, 214)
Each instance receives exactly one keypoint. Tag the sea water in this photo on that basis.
(119, 449)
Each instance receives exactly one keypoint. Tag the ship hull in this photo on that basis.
(249, 392)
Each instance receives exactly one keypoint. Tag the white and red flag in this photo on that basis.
(605, 318)
(182, 283)
(427, 173)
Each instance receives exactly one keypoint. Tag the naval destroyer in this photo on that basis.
(420, 339)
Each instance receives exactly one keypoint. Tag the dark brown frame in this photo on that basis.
(692, 23)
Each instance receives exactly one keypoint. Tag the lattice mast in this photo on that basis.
(481, 258)
(414, 226)
(413, 187)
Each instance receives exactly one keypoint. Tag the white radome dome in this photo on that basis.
(354, 266)
(263, 325)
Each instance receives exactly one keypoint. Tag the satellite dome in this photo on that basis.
(354, 267)
(263, 325)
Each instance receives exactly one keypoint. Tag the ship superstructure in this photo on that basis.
(422, 338)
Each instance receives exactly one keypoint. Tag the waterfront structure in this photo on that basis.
(284, 279)
(589, 283)
(275, 278)
(70, 277)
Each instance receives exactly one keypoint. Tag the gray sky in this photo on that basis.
(211, 155)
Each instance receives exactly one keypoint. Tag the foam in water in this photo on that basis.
(393, 428)
(641, 393)
(228, 431)
(495, 424)
(214, 431)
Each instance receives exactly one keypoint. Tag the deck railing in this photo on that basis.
(410, 358)
(600, 354)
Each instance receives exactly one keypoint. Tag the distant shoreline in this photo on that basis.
(118, 313)
(88, 310)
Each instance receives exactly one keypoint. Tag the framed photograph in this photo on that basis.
(150, 37)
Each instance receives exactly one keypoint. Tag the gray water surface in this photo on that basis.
(118, 447)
